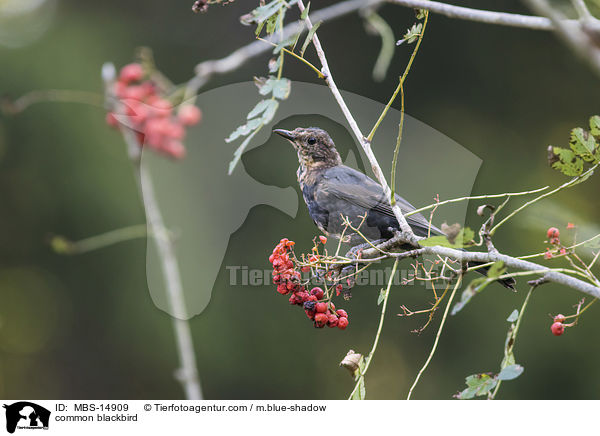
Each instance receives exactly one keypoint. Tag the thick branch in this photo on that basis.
(471, 256)
(481, 16)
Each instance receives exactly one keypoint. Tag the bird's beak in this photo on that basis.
(285, 133)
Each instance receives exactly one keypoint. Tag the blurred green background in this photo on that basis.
(84, 327)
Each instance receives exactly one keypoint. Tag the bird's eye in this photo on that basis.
(312, 141)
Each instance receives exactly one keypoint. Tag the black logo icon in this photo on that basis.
(24, 414)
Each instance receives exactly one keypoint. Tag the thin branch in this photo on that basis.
(187, 374)
(379, 328)
(437, 336)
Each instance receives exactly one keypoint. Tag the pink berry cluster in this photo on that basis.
(149, 114)
(314, 302)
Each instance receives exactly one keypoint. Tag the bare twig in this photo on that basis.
(437, 336)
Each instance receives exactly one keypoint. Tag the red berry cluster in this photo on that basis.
(558, 327)
(150, 115)
(288, 280)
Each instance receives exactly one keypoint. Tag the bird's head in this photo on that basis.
(314, 146)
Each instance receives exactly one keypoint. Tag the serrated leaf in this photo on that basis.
(309, 38)
(583, 144)
(595, 126)
(568, 163)
(244, 129)
(381, 297)
(269, 113)
(478, 384)
(258, 109)
(514, 315)
(413, 33)
(281, 88)
(511, 372)
(237, 154)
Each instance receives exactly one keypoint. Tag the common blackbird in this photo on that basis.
(333, 191)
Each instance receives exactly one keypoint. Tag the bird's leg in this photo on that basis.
(348, 273)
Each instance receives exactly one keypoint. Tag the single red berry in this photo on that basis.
(310, 314)
(548, 255)
(558, 328)
(189, 115)
(131, 73)
(341, 313)
(332, 320)
(555, 241)
(312, 298)
(553, 232)
(323, 239)
(560, 318)
(321, 307)
(282, 289)
(317, 292)
(321, 317)
(342, 323)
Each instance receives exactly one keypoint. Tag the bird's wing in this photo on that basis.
(355, 187)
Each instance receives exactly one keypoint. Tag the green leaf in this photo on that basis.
(272, 23)
(420, 13)
(511, 372)
(583, 144)
(473, 289)
(244, 130)
(595, 126)
(462, 238)
(239, 151)
(258, 109)
(269, 113)
(360, 393)
(413, 33)
(496, 270)
(285, 43)
(304, 13)
(514, 315)
(477, 385)
(281, 88)
(381, 297)
(567, 162)
(309, 38)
